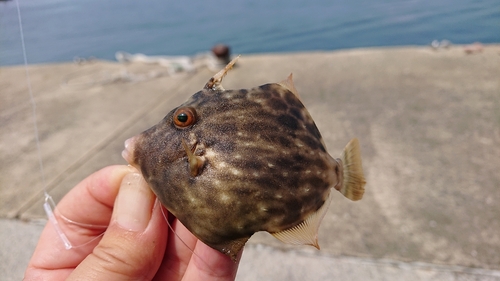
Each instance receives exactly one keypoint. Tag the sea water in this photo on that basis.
(60, 30)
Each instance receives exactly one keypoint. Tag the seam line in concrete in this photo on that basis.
(92, 151)
(394, 263)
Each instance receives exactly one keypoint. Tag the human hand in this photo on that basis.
(137, 244)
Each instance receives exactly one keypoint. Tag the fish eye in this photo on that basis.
(184, 116)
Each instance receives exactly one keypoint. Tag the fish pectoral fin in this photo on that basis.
(196, 163)
(215, 82)
(305, 233)
(288, 83)
(353, 179)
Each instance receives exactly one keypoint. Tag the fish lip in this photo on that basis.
(128, 152)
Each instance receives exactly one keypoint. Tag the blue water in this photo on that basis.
(59, 30)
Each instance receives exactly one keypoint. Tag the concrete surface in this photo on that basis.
(262, 262)
(18, 240)
(428, 122)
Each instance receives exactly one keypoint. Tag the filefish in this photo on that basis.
(229, 163)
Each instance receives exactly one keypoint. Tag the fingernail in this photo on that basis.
(132, 210)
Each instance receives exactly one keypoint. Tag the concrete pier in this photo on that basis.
(428, 122)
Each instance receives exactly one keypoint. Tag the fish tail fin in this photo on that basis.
(353, 179)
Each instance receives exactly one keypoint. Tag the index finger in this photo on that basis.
(88, 205)
(210, 264)
(91, 201)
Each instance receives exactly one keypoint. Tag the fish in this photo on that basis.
(230, 163)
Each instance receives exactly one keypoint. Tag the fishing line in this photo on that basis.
(48, 199)
(177, 235)
(48, 205)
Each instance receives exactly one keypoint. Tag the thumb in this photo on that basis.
(134, 243)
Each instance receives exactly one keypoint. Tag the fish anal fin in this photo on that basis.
(305, 233)
(215, 82)
(288, 83)
(353, 178)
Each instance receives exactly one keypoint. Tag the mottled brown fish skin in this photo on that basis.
(265, 168)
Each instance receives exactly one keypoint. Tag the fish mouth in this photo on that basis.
(128, 152)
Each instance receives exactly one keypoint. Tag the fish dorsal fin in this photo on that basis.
(288, 83)
(305, 233)
(354, 181)
(215, 82)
